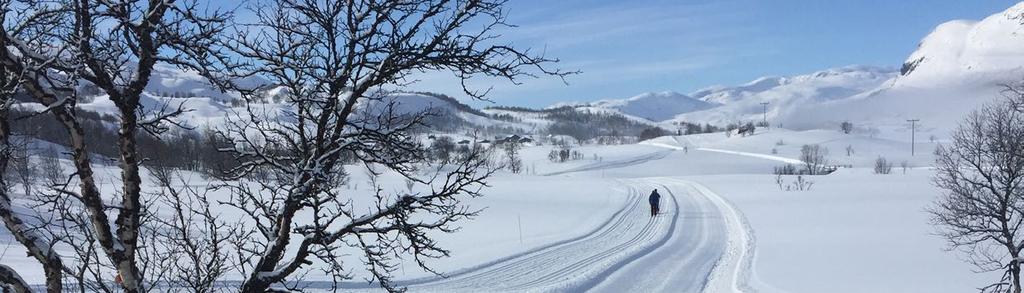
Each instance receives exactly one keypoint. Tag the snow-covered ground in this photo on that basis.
(725, 227)
(734, 230)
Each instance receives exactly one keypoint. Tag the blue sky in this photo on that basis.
(625, 48)
(628, 47)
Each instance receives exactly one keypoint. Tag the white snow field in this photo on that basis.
(725, 227)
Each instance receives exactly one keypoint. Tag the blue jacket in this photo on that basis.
(654, 197)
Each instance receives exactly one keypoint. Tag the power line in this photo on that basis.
(764, 111)
(913, 130)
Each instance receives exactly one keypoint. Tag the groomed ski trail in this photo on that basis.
(699, 243)
(710, 250)
(575, 265)
(616, 163)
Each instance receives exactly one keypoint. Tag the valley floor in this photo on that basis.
(725, 226)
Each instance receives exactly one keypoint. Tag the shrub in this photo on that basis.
(882, 166)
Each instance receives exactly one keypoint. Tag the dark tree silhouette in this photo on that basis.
(336, 63)
(57, 51)
(981, 212)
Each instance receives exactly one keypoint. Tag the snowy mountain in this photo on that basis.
(721, 105)
(172, 81)
(743, 103)
(958, 67)
(967, 51)
(830, 84)
(655, 106)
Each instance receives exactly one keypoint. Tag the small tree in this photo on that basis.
(442, 148)
(882, 166)
(815, 158)
(846, 127)
(981, 211)
(514, 163)
(652, 132)
(50, 168)
(787, 169)
(22, 168)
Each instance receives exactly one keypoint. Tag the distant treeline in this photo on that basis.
(194, 150)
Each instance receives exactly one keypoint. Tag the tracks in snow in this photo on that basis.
(573, 265)
(700, 243)
(616, 163)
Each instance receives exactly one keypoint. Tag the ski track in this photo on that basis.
(738, 153)
(617, 163)
(699, 243)
(689, 257)
(693, 246)
(574, 265)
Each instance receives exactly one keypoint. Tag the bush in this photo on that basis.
(787, 169)
(846, 127)
(882, 166)
(815, 159)
(652, 132)
(800, 184)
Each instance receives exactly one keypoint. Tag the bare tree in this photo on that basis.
(336, 63)
(981, 212)
(882, 166)
(442, 148)
(50, 168)
(190, 247)
(1015, 95)
(513, 162)
(59, 46)
(36, 244)
(846, 127)
(815, 159)
(21, 167)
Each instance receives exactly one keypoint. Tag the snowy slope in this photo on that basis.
(967, 51)
(655, 106)
(959, 66)
(167, 80)
(853, 232)
(827, 84)
(743, 103)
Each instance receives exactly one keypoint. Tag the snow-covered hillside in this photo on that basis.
(655, 106)
(957, 67)
(583, 225)
(743, 103)
(968, 51)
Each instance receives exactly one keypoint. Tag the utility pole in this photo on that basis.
(913, 130)
(764, 111)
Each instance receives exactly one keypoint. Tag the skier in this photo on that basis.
(654, 199)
